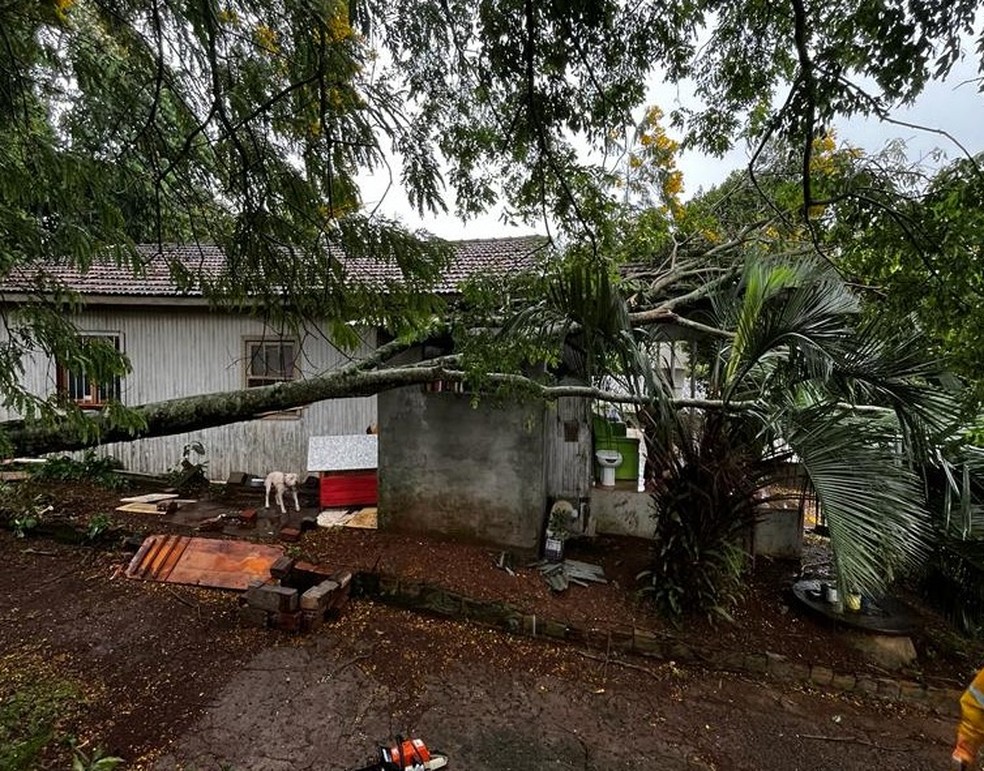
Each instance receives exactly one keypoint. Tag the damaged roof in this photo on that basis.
(474, 257)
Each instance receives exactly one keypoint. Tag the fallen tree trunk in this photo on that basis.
(194, 413)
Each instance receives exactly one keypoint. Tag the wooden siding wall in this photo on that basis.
(567, 428)
(184, 352)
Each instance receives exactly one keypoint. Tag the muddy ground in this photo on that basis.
(172, 681)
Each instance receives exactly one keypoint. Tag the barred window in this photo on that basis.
(83, 390)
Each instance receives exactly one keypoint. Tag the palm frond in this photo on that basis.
(891, 367)
(872, 500)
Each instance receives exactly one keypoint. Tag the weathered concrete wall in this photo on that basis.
(779, 533)
(622, 512)
(448, 469)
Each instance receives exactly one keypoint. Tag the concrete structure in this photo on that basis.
(476, 473)
(778, 530)
(622, 511)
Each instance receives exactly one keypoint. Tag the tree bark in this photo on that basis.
(194, 413)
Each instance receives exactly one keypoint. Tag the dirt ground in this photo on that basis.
(172, 680)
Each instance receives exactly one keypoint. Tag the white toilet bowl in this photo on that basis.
(609, 460)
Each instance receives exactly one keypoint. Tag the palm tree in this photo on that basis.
(790, 370)
(798, 374)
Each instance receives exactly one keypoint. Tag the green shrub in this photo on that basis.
(101, 471)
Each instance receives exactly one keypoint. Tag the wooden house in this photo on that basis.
(179, 346)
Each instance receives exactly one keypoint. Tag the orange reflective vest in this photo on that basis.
(970, 732)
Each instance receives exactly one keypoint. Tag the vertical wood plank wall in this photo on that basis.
(187, 351)
(568, 455)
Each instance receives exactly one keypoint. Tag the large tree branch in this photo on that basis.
(195, 413)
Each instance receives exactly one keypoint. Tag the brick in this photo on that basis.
(756, 662)
(888, 688)
(678, 651)
(844, 682)
(646, 643)
(555, 629)
(290, 534)
(910, 691)
(289, 621)
(311, 620)
(255, 617)
(318, 597)
(946, 701)
(621, 639)
(316, 571)
(821, 675)
(343, 578)
(866, 685)
(339, 598)
(441, 602)
(272, 598)
(282, 567)
(788, 671)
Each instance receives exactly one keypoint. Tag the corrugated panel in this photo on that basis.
(185, 352)
(211, 562)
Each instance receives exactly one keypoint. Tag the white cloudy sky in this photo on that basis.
(954, 106)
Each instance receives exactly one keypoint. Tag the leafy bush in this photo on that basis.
(705, 503)
(97, 470)
(95, 761)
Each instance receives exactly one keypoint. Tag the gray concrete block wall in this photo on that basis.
(474, 473)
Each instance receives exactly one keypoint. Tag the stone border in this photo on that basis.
(430, 598)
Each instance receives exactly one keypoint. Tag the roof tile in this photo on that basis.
(495, 256)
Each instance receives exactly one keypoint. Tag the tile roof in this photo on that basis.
(495, 256)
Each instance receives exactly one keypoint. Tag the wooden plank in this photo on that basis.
(139, 508)
(149, 498)
(366, 519)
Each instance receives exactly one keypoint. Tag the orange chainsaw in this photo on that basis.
(407, 755)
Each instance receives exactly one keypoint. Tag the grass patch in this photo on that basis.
(36, 707)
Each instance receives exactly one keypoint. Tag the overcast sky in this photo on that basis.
(954, 106)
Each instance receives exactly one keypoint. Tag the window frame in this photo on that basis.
(64, 377)
(295, 371)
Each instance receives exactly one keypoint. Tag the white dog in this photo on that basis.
(280, 482)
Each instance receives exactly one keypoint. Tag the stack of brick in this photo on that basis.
(297, 597)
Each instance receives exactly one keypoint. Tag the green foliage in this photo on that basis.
(923, 258)
(24, 523)
(799, 362)
(98, 470)
(94, 761)
(34, 707)
(704, 500)
(98, 525)
(249, 124)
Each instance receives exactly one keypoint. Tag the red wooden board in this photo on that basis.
(353, 488)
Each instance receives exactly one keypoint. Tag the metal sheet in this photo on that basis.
(212, 562)
(343, 452)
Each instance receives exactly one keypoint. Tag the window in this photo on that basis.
(269, 362)
(79, 388)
